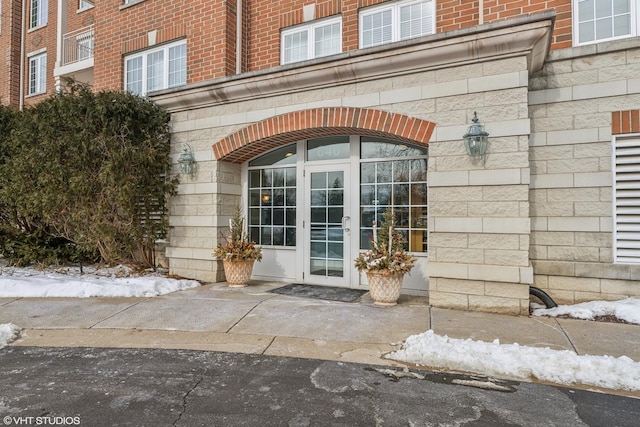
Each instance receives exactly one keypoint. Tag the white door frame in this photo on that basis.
(344, 223)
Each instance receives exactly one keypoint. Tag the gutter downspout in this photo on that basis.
(23, 36)
(480, 12)
(239, 36)
(59, 40)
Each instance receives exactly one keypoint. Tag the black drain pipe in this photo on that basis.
(542, 296)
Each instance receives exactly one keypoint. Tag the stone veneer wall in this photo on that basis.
(571, 103)
(479, 214)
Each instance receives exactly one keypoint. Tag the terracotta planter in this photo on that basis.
(384, 287)
(238, 272)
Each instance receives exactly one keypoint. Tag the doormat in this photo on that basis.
(320, 292)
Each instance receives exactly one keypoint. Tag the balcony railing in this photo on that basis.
(77, 45)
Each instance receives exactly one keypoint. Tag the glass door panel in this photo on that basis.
(327, 232)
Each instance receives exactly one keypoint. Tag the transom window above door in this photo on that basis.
(311, 40)
(395, 21)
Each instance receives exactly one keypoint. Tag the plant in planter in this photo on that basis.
(386, 263)
(237, 252)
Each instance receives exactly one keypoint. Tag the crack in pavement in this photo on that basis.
(186, 395)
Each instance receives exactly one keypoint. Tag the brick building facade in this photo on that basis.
(271, 94)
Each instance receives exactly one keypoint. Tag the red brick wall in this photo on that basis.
(268, 18)
(208, 27)
(10, 32)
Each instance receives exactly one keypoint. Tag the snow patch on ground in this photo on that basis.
(519, 362)
(8, 333)
(91, 282)
(626, 309)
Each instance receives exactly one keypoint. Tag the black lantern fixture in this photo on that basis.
(187, 161)
(476, 140)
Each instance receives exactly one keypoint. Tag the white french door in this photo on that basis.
(327, 222)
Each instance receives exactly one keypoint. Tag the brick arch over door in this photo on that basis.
(268, 134)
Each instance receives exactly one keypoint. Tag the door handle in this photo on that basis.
(344, 223)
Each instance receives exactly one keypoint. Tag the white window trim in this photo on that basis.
(144, 54)
(395, 18)
(635, 144)
(635, 24)
(42, 53)
(309, 27)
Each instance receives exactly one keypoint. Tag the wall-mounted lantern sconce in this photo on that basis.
(187, 160)
(476, 140)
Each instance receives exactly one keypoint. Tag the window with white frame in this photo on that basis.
(626, 191)
(396, 21)
(600, 20)
(158, 68)
(38, 74)
(39, 12)
(311, 40)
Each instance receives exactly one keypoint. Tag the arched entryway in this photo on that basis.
(314, 180)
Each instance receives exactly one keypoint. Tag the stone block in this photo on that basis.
(604, 271)
(558, 180)
(551, 209)
(457, 286)
(495, 177)
(448, 240)
(459, 255)
(448, 270)
(494, 209)
(458, 102)
(444, 89)
(400, 95)
(573, 224)
(501, 66)
(573, 253)
(593, 179)
(506, 161)
(538, 252)
(450, 209)
(507, 290)
(580, 284)
(493, 273)
(553, 238)
(548, 96)
(448, 300)
(456, 194)
(509, 127)
(493, 82)
(600, 90)
(573, 165)
(552, 123)
(506, 257)
(492, 241)
(505, 192)
(457, 225)
(526, 275)
(593, 239)
(552, 152)
(553, 268)
(630, 288)
(363, 101)
(490, 304)
(573, 195)
(447, 179)
(573, 136)
(506, 225)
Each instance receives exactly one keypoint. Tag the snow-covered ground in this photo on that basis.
(426, 349)
(626, 309)
(69, 282)
(519, 362)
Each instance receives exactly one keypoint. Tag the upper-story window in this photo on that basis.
(311, 40)
(38, 74)
(601, 20)
(39, 12)
(396, 21)
(84, 4)
(155, 69)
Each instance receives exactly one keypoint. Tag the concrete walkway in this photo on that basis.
(254, 320)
